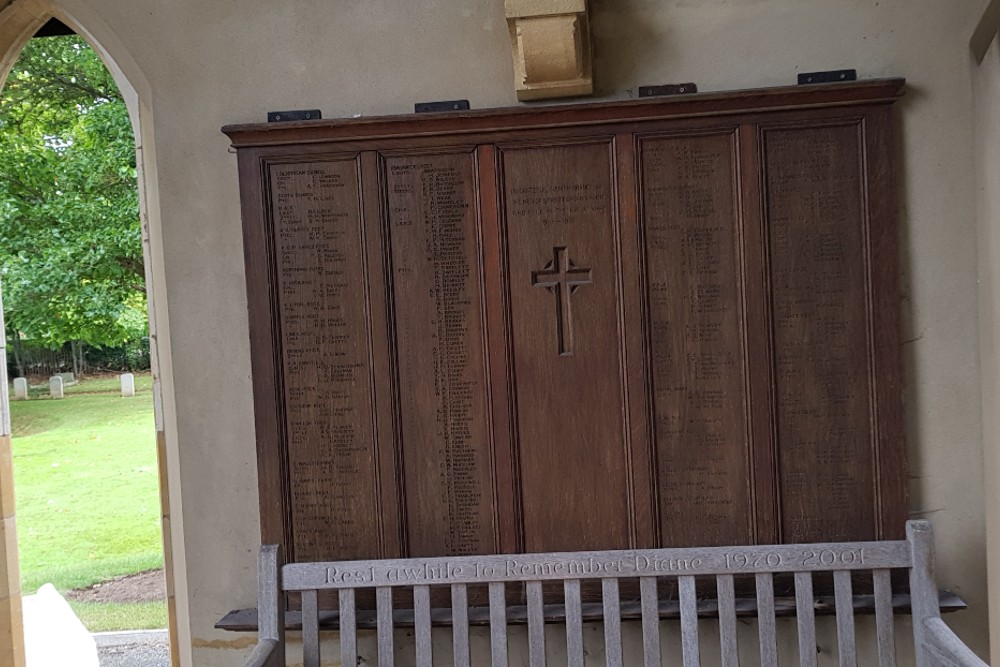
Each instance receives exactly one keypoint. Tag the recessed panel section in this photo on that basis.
(565, 337)
(816, 235)
(697, 358)
(320, 282)
(437, 302)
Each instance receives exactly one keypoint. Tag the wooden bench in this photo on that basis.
(648, 571)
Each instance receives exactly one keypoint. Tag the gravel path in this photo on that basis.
(142, 650)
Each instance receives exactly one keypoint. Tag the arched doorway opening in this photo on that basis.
(20, 20)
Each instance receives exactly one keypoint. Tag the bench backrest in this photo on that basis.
(648, 571)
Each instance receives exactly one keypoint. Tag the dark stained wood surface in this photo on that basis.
(320, 289)
(564, 287)
(819, 262)
(441, 359)
(694, 291)
(633, 324)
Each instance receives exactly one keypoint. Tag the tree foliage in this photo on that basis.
(70, 241)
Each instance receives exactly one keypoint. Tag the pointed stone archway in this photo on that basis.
(19, 21)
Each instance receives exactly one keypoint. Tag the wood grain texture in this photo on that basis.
(437, 299)
(766, 631)
(574, 623)
(689, 622)
(819, 262)
(536, 624)
(650, 622)
(348, 628)
(847, 653)
(805, 617)
(422, 626)
(622, 325)
(694, 291)
(728, 640)
(498, 624)
(320, 295)
(310, 630)
(934, 643)
(561, 233)
(877, 91)
(884, 625)
(612, 623)
(460, 624)
(386, 640)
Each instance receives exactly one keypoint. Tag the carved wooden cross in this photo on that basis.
(563, 278)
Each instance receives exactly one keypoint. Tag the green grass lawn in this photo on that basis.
(102, 384)
(87, 499)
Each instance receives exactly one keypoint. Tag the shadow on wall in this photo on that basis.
(625, 43)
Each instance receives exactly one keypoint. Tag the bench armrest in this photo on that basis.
(945, 646)
(265, 654)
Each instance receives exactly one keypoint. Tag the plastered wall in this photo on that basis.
(199, 65)
(987, 97)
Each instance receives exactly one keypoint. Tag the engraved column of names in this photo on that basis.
(327, 388)
(438, 304)
(693, 282)
(816, 228)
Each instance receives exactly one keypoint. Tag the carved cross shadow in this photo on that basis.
(563, 278)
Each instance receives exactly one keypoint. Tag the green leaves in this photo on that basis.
(70, 243)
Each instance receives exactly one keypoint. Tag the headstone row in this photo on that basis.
(57, 384)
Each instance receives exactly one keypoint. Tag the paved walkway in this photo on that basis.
(133, 649)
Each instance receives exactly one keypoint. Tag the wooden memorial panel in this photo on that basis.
(327, 387)
(437, 300)
(694, 287)
(561, 234)
(819, 261)
(665, 322)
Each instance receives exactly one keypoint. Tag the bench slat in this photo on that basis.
(883, 618)
(689, 621)
(422, 625)
(846, 647)
(498, 624)
(348, 629)
(536, 624)
(650, 622)
(612, 623)
(727, 620)
(765, 620)
(574, 623)
(460, 624)
(383, 609)
(310, 630)
(805, 615)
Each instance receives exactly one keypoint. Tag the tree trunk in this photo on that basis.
(15, 341)
(74, 349)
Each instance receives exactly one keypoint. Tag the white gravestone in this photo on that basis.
(53, 635)
(56, 386)
(20, 389)
(128, 385)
